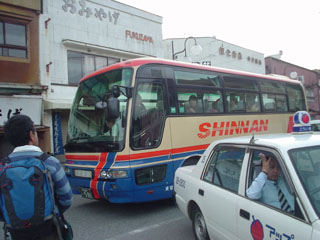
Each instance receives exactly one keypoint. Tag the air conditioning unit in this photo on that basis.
(301, 78)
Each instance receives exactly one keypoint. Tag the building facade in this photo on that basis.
(309, 78)
(21, 89)
(78, 37)
(47, 46)
(214, 52)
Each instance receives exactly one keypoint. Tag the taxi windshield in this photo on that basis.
(90, 128)
(307, 164)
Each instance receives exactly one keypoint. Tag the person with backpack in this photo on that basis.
(32, 185)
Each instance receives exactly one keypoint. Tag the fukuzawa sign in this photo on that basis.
(138, 36)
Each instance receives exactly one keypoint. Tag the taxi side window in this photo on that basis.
(224, 168)
(272, 187)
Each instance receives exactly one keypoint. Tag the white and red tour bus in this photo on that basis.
(133, 123)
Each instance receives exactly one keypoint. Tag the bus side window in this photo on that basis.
(148, 116)
(269, 104)
(235, 102)
(296, 98)
(282, 105)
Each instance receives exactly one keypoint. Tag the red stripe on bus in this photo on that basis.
(138, 156)
(188, 149)
(149, 154)
(122, 158)
(290, 124)
(82, 157)
(97, 170)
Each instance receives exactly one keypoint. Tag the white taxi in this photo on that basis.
(213, 193)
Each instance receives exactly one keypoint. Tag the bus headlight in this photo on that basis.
(113, 174)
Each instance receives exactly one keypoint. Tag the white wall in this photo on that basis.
(106, 34)
(105, 28)
(211, 53)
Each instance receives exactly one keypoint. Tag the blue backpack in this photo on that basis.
(26, 193)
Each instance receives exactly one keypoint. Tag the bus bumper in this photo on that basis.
(119, 190)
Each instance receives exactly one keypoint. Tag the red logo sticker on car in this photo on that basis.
(256, 229)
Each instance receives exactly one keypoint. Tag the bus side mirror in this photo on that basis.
(113, 107)
(115, 91)
(129, 92)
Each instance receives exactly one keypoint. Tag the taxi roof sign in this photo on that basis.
(301, 121)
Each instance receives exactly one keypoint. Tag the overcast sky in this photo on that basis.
(265, 26)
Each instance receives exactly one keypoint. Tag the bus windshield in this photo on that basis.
(90, 128)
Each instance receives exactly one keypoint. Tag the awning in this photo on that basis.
(52, 104)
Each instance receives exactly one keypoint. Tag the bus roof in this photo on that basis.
(144, 61)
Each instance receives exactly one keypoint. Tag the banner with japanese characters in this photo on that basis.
(57, 134)
(27, 105)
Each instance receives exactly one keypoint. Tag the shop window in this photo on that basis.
(150, 174)
(13, 40)
(310, 94)
(81, 64)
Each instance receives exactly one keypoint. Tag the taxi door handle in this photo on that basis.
(201, 192)
(244, 214)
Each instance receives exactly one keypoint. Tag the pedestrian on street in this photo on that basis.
(20, 131)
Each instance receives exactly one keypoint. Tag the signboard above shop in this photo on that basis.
(28, 105)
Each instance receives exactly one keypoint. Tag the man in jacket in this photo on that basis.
(19, 130)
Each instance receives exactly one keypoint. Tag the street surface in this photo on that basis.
(100, 220)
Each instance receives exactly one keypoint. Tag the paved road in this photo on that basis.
(101, 220)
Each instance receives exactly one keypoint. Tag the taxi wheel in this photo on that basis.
(199, 225)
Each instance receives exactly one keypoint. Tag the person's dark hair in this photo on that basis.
(193, 98)
(17, 130)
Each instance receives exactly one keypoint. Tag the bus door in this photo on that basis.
(150, 142)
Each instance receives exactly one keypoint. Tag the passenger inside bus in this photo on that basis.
(281, 105)
(252, 105)
(193, 105)
(235, 104)
(215, 106)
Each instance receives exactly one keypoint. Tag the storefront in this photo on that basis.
(30, 105)
(79, 37)
(20, 87)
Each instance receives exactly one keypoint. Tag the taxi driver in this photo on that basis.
(269, 187)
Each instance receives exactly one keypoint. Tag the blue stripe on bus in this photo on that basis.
(180, 155)
(111, 157)
(110, 160)
(92, 163)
